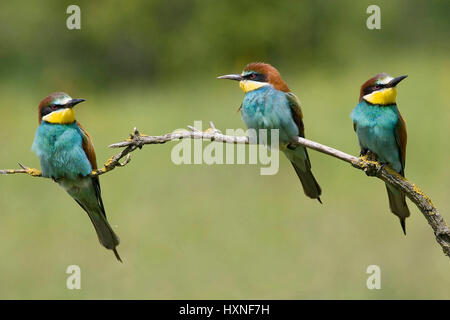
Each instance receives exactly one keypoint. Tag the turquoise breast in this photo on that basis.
(375, 127)
(268, 108)
(60, 151)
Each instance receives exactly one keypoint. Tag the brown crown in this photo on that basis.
(272, 74)
(44, 103)
(371, 82)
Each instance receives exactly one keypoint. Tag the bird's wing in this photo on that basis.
(299, 157)
(296, 110)
(401, 138)
(88, 148)
(297, 115)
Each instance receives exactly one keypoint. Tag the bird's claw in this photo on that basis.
(371, 168)
(371, 156)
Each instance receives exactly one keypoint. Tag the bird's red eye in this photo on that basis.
(54, 107)
(253, 76)
(377, 87)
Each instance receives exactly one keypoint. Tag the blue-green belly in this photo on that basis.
(60, 151)
(375, 127)
(268, 108)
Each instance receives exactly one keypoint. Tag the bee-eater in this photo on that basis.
(269, 104)
(381, 130)
(67, 155)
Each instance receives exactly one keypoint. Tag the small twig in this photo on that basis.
(30, 171)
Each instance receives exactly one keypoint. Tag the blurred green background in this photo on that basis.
(222, 231)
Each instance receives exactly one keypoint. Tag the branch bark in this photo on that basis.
(370, 167)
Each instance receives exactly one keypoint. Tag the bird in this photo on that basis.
(269, 104)
(67, 156)
(381, 130)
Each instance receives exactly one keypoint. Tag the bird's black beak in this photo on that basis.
(72, 103)
(236, 77)
(394, 82)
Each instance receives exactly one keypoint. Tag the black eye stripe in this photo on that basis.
(50, 108)
(373, 88)
(254, 76)
(45, 111)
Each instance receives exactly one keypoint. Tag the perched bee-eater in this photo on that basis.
(381, 130)
(67, 155)
(269, 104)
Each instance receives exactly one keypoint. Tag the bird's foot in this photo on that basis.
(371, 156)
(370, 167)
(363, 152)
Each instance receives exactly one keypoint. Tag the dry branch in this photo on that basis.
(370, 167)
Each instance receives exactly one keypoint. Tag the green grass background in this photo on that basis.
(225, 231)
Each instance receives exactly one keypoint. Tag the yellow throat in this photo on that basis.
(383, 97)
(249, 85)
(63, 116)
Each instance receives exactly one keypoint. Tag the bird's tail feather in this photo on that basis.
(86, 192)
(397, 203)
(310, 185)
(105, 234)
(300, 161)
